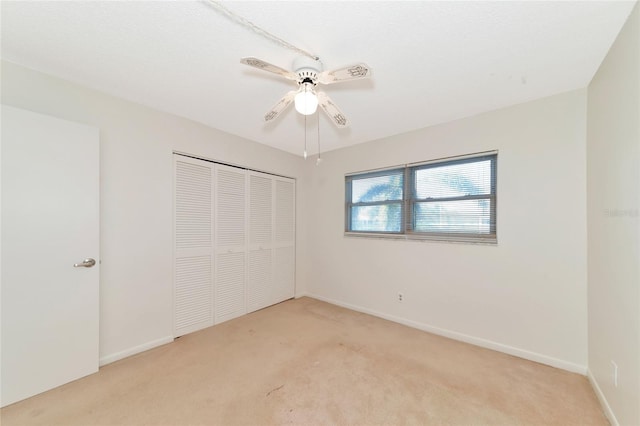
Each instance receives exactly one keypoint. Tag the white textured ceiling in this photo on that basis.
(432, 62)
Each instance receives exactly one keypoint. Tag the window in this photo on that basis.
(376, 201)
(453, 199)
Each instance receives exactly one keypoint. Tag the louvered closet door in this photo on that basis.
(193, 251)
(260, 259)
(284, 255)
(230, 243)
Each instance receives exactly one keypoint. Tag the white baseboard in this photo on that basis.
(521, 353)
(603, 401)
(108, 359)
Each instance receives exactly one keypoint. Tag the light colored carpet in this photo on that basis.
(307, 362)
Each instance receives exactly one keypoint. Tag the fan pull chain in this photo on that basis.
(319, 160)
(253, 27)
(305, 137)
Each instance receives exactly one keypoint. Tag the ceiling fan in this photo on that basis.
(308, 73)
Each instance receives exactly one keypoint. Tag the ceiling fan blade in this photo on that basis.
(332, 110)
(265, 66)
(280, 106)
(351, 72)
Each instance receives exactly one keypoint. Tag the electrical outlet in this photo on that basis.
(400, 297)
(614, 373)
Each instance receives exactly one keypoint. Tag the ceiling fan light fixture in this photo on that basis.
(306, 101)
(308, 73)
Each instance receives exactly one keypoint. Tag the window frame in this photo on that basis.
(409, 201)
(367, 175)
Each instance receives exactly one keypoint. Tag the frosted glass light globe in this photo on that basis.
(306, 101)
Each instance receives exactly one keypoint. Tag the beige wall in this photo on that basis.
(613, 192)
(528, 294)
(136, 145)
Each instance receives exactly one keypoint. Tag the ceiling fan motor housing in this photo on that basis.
(307, 69)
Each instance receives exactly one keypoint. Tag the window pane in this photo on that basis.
(383, 218)
(465, 216)
(378, 188)
(455, 180)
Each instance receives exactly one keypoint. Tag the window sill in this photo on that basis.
(491, 241)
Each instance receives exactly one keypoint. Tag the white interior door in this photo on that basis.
(50, 221)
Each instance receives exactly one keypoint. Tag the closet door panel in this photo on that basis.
(231, 245)
(259, 280)
(193, 250)
(284, 240)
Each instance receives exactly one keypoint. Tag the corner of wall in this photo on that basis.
(608, 412)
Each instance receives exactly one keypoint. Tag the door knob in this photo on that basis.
(87, 263)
